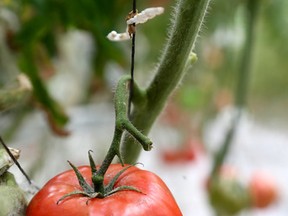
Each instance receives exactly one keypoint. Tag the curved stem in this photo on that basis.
(189, 15)
(122, 123)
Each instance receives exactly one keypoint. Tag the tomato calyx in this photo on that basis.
(97, 190)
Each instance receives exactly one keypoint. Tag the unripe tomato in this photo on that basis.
(226, 193)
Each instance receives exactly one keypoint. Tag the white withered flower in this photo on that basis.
(143, 16)
(137, 18)
(114, 36)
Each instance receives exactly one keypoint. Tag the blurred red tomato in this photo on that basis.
(263, 189)
(189, 152)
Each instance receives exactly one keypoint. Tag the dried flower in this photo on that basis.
(134, 19)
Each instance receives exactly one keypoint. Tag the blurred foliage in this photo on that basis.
(35, 43)
(208, 86)
(215, 76)
(41, 23)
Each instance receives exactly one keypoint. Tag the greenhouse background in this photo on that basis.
(62, 49)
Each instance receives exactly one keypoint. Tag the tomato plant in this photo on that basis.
(263, 190)
(153, 196)
(107, 189)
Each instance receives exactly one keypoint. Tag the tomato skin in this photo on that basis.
(263, 190)
(155, 199)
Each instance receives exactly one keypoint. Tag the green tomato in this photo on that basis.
(12, 198)
(228, 196)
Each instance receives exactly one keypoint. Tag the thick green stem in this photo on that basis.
(242, 85)
(189, 15)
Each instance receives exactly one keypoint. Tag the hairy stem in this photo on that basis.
(189, 15)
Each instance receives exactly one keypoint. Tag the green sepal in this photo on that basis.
(77, 192)
(82, 182)
(92, 163)
(120, 157)
(111, 184)
(109, 188)
(91, 193)
(123, 188)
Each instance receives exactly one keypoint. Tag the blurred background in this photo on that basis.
(61, 46)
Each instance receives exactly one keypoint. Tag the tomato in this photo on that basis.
(226, 193)
(263, 190)
(179, 155)
(154, 199)
(171, 156)
(12, 198)
(226, 172)
(189, 152)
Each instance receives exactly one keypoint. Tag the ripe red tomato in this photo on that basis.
(263, 190)
(189, 152)
(179, 155)
(155, 198)
(171, 156)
